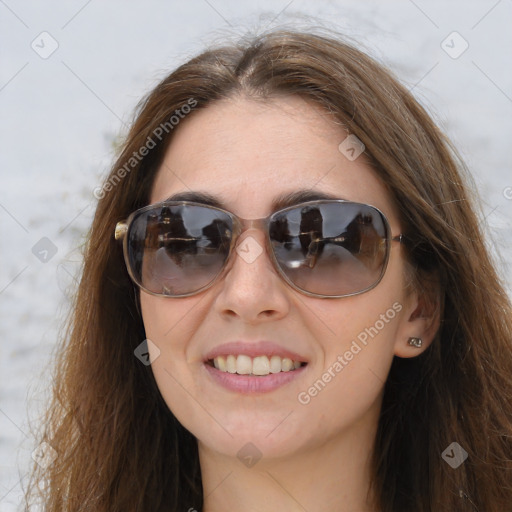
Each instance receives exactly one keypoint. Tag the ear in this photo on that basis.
(421, 319)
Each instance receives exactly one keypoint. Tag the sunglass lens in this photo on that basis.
(178, 250)
(332, 248)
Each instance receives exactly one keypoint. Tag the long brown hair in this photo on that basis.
(120, 448)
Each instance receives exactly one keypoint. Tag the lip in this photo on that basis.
(249, 384)
(253, 349)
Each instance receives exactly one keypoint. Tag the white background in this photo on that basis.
(60, 116)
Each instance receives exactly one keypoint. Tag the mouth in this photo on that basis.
(253, 367)
(259, 366)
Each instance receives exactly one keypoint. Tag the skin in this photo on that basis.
(248, 152)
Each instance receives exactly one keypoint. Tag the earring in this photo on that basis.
(415, 342)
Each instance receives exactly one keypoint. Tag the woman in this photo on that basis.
(306, 317)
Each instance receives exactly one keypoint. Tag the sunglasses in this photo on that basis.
(327, 248)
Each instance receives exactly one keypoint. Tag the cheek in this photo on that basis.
(358, 336)
(372, 319)
(357, 353)
(166, 320)
(364, 327)
(346, 389)
(169, 324)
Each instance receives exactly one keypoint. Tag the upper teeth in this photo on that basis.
(260, 365)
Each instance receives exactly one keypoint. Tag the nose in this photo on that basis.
(251, 288)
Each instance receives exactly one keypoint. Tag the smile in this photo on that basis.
(261, 366)
(253, 367)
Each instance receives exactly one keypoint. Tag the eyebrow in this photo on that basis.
(281, 201)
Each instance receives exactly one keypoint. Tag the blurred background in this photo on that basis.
(71, 74)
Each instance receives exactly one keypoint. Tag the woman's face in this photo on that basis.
(247, 153)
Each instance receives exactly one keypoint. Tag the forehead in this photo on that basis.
(250, 153)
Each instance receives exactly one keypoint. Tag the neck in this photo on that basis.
(332, 476)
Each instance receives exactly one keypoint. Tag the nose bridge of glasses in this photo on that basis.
(244, 225)
(255, 228)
